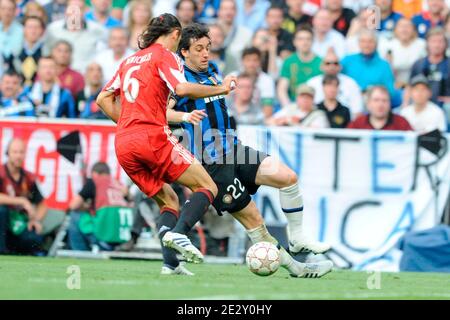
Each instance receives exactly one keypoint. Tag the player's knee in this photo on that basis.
(171, 201)
(291, 178)
(213, 188)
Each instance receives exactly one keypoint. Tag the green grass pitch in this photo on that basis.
(46, 278)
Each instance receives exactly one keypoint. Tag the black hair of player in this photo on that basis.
(190, 34)
(159, 26)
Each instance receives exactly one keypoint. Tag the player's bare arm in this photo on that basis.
(173, 116)
(107, 102)
(197, 91)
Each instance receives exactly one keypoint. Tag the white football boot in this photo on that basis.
(313, 270)
(183, 245)
(305, 245)
(180, 270)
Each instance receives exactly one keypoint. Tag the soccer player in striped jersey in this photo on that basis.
(237, 170)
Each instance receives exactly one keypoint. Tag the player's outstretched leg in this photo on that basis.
(276, 174)
(167, 201)
(204, 191)
(251, 219)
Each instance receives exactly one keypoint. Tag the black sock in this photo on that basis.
(193, 210)
(167, 220)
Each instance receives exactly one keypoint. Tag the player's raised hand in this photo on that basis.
(195, 117)
(230, 83)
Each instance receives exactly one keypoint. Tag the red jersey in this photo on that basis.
(144, 81)
(394, 122)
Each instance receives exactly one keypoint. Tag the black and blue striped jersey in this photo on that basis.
(214, 137)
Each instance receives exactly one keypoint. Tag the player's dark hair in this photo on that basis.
(190, 34)
(157, 27)
(194, 3)
(250, 51)
(101, 168)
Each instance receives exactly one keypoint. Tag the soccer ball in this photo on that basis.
(263, 258)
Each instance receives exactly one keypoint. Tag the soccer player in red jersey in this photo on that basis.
(145, 146)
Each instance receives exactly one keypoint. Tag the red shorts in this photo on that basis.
(151, 157)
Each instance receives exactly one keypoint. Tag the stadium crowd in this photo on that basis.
(308, 63)
(370, 64)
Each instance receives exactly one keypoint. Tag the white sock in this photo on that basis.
(260, 234)
(291, 201)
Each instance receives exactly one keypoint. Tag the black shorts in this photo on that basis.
(235, 179)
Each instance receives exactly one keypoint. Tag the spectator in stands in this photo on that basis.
(380, 116)
(226, 61)
(207, 10)
(338, 115)
(111, 58)
(349, 93)
(86, 99)
(117, 8)
(434, 17)
(302, 113)
(237, 37)
(295, 16)
(251, 13)
(101, 13)
(186, 11)
(13, 102)
(34, 9)
(56, 10)
(389, 18)
(49, 98)
(368, 68)
(22, 206)
(243, 107)
(325, 36)
(25, 62)
(99, 191)
(267, 45)
(86, 37)
(11, 31)
(435, 66)
(299, 67)
(278, 38)
(402, 51)
(366, 19)
(139, 15)
(340, 16)
(447, 32)
(423, 115)
(68, 78)
(264, 93)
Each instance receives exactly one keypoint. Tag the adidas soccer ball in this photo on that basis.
(263, 258)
